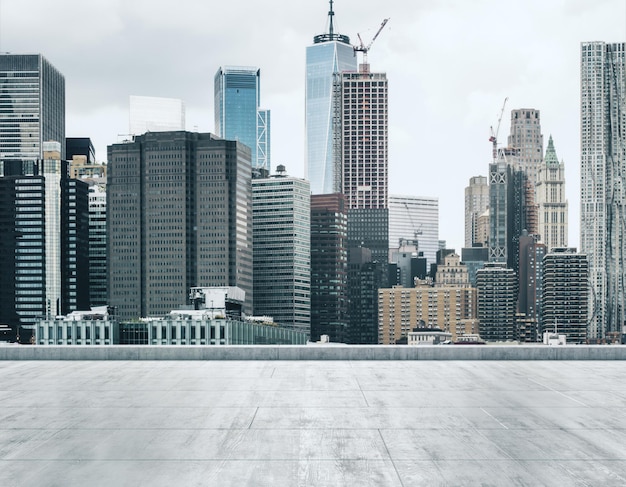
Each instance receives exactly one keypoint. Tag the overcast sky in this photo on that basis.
(450, 64)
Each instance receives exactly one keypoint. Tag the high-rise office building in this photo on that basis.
(551, 201)
(363, 101)
(75, 242)
(565, 294)
(35, 203)
(281, 229)
(511, 209)
(531, 254)
(527, 139)
(80, 146)
(32, 107)
(497, 299)
(476, 203)
(155, 114)
(365, 278)
(237, 92)
(330, 55)
(179, 215)
(329, 267)
(415, 218)
(98, 245)
(603, 199)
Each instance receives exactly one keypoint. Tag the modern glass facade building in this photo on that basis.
(179, 215)
(329, 55)
(281, 225)
(237, 114)
(155, 114)
(415, 218)
(32, 107)
(603, 198)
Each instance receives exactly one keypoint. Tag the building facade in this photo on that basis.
(179, 214)
(237, 114)
(32, 107)
(527, 139)
(415, 218)
(281, 242)
(497, 302)
(531, 254)
(400, 310)
(565, 294)
(98, 245)
(603, 198)
(551, 201)
(330, 54)
(329, 267)
(476, 203)
(155, 114)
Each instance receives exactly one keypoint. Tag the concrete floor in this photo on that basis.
(321, 423)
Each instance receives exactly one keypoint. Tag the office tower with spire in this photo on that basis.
(527, 139)
(551, 201)
(330, 55)
(602, 172)
(476, 203)
(32, 107)
(237, 92)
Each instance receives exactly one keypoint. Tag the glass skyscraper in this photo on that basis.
(329, 55)
(237, 93)
(32, 107)
(155, 114)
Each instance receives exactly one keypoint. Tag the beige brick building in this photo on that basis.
(451, 308)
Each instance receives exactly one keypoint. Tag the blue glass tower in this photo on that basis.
(329, 55)
(237, 114)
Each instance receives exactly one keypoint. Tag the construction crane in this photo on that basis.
(362, 47)
(494, 135)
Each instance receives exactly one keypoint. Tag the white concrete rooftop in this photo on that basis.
(318, 423)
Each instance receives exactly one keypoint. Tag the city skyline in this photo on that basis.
(453, 79)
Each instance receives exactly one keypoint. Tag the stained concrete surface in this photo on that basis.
(327, 423)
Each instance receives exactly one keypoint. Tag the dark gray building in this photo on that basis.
(497, 299)
(329, 267)
(98, 245)
(179, 215)
(565, 294)
(32, 107)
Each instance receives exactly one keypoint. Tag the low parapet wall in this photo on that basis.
(314, 352)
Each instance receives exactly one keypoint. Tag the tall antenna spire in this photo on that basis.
(330, 35)
(331, 14)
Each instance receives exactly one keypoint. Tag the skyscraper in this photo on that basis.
(155, 114)
(179, 216)
(97, 245)
(511, 208)
(527, 139)
(602, 171)
(237, 91)
(565, 294)
(497, 297)
(330, 54)
(551, 202)
(329, 267)
(476, 203)
(32, 107)
(281, 229)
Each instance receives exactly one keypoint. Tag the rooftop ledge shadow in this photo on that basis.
(313, 352)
